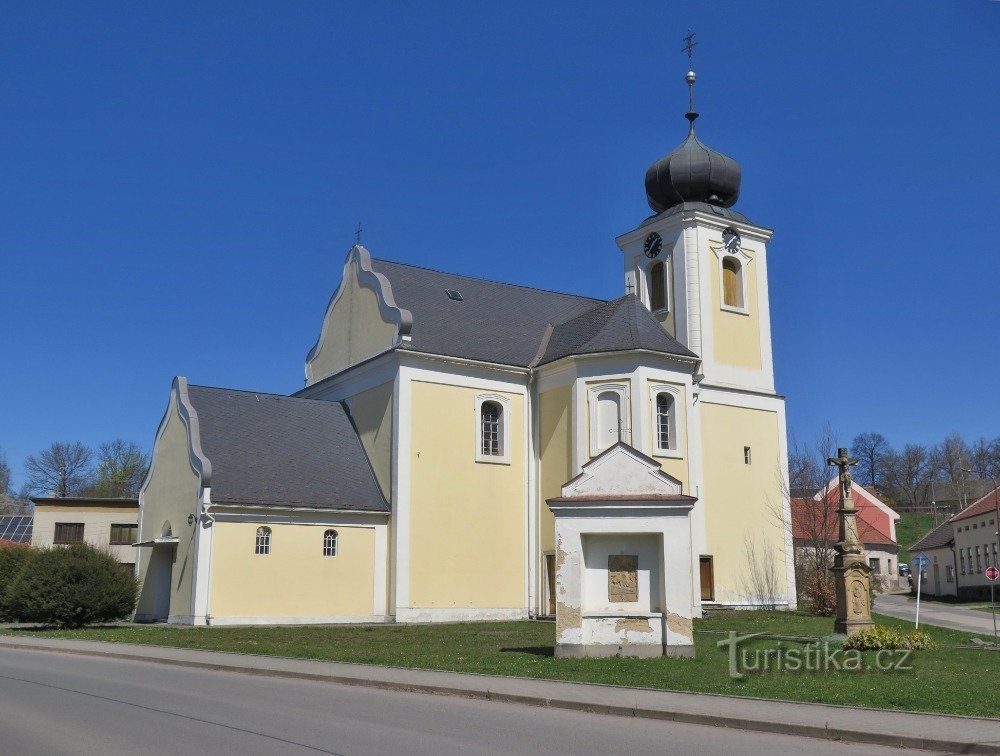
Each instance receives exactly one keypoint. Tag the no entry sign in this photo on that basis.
(992, 573)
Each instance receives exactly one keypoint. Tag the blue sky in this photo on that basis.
(181, 184)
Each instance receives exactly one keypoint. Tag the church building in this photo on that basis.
(448, 422)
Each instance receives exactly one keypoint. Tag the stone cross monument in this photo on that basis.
(851, 571)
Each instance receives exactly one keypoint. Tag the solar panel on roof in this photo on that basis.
(454, 294)
(16, 528)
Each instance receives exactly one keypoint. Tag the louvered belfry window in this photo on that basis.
(492, 417)
(657, 288)
(732, 282)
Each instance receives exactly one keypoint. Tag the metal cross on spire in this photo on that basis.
(689, 45)
(358, 232)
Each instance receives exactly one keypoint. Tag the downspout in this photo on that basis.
(206, 505)
(532, 498)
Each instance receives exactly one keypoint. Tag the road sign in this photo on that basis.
(921, 561)
(992, 573)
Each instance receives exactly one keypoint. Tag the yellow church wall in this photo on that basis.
(736, 336)
(673, 466)
(371, 411)
(295, 579)
(467, 541)
(352, 330)
(555, 448)
(742, 501)
(171, 495)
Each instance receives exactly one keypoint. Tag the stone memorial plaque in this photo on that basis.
(623, 577)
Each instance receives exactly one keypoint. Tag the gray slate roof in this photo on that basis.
(614, 326)
(704, 207)
(505, 323)
(283, 451)
(942, 535)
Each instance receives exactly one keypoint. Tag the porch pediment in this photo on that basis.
(621, 472)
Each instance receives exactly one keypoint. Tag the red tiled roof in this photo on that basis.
(985, 505)
(808, 523)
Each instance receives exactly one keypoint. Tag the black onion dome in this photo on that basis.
(692, 173)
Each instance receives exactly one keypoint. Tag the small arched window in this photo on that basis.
(609, 425)
(492, 429)
(665, 422)
(263, 543)
(330, 540)
(732, 282)
(657, 287)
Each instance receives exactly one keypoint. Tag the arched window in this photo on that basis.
(665, 422)
(330, 543)
(732, 282)
(657, 287)
(263, 543)
(491, 419)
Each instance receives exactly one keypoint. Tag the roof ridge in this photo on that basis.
(491, 281)
(258, 393)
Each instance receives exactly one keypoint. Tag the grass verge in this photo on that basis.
(946, 680)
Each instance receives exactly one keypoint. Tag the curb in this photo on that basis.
(484, 694)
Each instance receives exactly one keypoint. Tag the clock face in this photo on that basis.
(731, 240)
(652, 245)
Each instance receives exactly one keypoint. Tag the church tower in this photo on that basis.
(701, 266)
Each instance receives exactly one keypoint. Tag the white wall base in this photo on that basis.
(458, 614)
(334, 620)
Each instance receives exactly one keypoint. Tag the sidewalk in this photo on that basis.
(895, 728)
(939, 614)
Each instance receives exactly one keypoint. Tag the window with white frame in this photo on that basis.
(262, 546)
(330, 539)
(665, 423)
(492, 429)
(732, 283)
(608, 413)
(949, 574)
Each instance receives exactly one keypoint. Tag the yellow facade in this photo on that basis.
(555, 453)
(743, 502)
(352, 330)
(371, 411)
(171, 495)
(467, 518)
(295, 579)
(736, 335)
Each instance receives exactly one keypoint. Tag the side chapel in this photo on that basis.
(460, 443)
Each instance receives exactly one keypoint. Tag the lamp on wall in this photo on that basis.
(191, 519)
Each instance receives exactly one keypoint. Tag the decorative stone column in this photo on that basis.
(851, 571)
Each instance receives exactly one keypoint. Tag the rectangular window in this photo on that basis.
(746, 455)
(124, 535)
(961, 556)
(949, 574)
(68, 532)
(979, 561)
(874, 564)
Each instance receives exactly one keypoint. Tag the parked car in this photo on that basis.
(904, 570)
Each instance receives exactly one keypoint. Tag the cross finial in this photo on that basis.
(689, 45)
(358, 232)
(629, 286)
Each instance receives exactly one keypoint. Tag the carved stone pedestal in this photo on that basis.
(853, 595)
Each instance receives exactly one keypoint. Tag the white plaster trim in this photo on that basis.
(458, 614)
(677, 452)
(380, 285)
(403, 443)
(375, 371)
(357, 619)
(504, 402)
(744, 260)
(621, 389)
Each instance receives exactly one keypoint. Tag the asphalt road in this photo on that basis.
(954, 616)
(63, 704)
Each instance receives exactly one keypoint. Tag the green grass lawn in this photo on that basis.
(949, 680)
(910, 527)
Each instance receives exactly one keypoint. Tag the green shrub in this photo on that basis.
(12, 560)
(880, 638)
(71, 586)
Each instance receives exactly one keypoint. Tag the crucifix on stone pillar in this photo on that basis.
(851, 571)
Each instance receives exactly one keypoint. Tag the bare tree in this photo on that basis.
(871, 449)
(953, 458)
(986, 457)
(61, 470)
(121, 468)
(909, 474)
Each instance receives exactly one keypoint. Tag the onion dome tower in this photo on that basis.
(692, 172)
